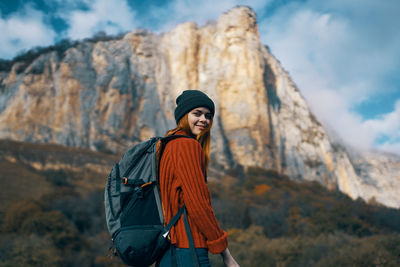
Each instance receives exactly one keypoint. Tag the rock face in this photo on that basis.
(380, 176)
(109, 95)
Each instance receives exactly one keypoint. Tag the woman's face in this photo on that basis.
(199, 119)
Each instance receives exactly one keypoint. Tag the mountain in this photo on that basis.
(108, 95)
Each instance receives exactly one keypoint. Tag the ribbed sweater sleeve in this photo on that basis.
(190, 172)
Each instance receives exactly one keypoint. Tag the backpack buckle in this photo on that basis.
(166, 234)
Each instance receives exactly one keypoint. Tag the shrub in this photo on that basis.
(18, 212)
(33, 251)
(57, 177)
(251, 248)
(54, 225)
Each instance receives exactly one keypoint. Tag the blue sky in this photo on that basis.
(344, 55)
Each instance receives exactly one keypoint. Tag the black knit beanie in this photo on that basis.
(191, 99)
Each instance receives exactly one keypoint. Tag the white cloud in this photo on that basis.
(111, 17)
(24, 30)
(387, 126)
(390, 147)
(332, 108)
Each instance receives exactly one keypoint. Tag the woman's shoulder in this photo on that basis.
(184, 142)
(185, 150)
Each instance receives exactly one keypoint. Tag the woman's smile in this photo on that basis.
(202, 127)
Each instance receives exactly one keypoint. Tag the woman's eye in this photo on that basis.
(208, 116)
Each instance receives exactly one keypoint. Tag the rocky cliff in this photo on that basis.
(109, 95)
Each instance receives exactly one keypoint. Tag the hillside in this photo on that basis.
(55, 217)
(31, 171)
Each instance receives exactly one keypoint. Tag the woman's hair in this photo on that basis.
(204, 137)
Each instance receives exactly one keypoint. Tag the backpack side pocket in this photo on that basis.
(112, 200)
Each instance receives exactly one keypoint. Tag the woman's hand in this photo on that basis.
(228, 260)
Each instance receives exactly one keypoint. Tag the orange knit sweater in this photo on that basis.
(182, 181)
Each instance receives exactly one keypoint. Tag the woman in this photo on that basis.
(183, 182)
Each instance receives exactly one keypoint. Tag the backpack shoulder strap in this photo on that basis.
(168, 138)
(190, 238)
(172, 222)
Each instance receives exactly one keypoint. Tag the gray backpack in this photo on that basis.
(133, 205)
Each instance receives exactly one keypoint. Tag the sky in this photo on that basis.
(344, 55)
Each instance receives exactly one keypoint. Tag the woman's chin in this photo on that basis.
(196, 131)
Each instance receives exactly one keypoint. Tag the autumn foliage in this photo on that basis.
(275, 221)
(271, 221)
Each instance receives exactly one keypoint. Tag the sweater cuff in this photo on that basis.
(218, 245)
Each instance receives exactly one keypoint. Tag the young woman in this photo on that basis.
(183, 182)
